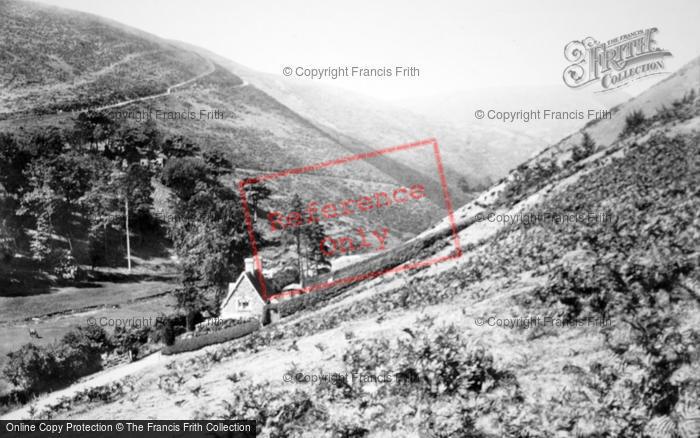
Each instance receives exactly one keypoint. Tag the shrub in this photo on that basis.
(90, 338)
(584, 150)
(444, 363)
(32, 368)
(527, 179)
(277, 414)
(573, 291)
(63, 265)
(168, 333)
(130, 339)
(79, 352)
(634, 123)
(167, 328)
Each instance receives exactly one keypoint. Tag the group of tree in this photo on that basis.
(207, 228)
(309, 245)
(75, 195)
(82, 183)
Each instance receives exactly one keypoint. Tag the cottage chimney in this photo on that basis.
(249, 265)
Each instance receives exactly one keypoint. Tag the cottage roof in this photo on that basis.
(252, 278)
(257, 285)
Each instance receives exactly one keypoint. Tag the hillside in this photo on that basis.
(460, 106)
(83, 62)
(472, 151)
(74, 147)
(545, 326)
(56, 60)
(80, 62)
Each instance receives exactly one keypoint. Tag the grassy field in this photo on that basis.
(114, 297)
(143, 293)
(63, 300)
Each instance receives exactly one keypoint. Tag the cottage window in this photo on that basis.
(242, 304)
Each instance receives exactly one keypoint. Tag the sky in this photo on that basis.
(455, 44)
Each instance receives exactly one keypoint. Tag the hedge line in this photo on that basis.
(217, 337)
(405, 253)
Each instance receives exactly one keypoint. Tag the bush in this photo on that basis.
(277, 414)
(168, 335)
(586, 148)
(436, 383)
(63, 265)
(168, 328)
(443, 363)
(634, 123)
(79, 352)
(130, 339)
(90, 338)
(575, 291)
(217, 337)
(34, 369)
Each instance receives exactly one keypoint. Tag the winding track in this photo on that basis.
(158, 95)
(167, 92)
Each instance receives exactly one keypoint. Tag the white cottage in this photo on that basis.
(244, 298)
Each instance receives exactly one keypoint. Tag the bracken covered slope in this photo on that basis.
(580, 320)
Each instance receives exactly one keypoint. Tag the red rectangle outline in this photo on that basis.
(343, 160)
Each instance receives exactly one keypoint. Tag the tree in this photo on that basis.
(207, 230)
(314, 234)
(257, 192)
(13, 163)
(185, 176)
(297, 232)
(104, 210)
(585, 149)
(41, 203)
(32, 368)
(8, 244)
(132, 143)
(47, 143)
(218, 161)
(189, 299)
(79, 352)
(179, 147)
(117, 199)
(91, 128)
(56, 186)
(136, 191)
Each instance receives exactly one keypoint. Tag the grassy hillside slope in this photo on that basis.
(60, 62)
(550, 327)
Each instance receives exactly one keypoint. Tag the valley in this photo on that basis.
(185, 237)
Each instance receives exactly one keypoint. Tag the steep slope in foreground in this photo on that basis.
(545, 327)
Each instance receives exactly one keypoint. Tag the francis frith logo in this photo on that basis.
(616, 62)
